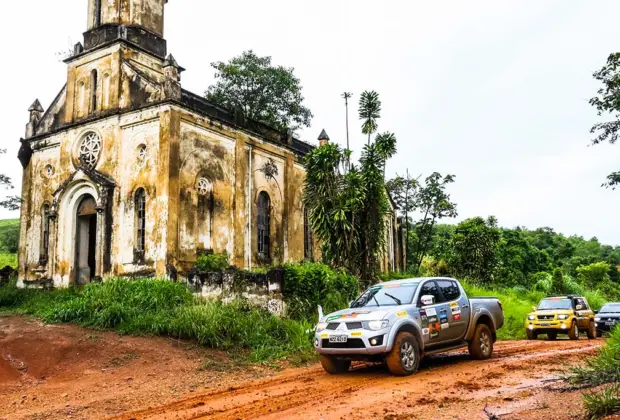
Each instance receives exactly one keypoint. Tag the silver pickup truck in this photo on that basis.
(401, 321)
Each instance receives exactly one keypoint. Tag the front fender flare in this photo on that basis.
(407, 324)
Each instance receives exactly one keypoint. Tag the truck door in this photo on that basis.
(435, 317)
(459, 310)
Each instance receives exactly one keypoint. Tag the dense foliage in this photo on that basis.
(479, 250)
(347, 203)
(261, 91)
(213, 262)
(308, 285)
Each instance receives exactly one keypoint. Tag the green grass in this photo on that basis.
(603, 403)
(8, 259)
(158, 307)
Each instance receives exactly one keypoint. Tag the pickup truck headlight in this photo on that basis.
(531, 317)
(321, 326)
(597, 319)
(377, 325)
(562, 317)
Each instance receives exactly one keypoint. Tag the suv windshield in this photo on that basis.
(546, 304)
(387, 295)
(610, 308)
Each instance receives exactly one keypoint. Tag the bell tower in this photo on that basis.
(140, 22)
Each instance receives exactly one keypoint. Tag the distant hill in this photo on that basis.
(9, 236)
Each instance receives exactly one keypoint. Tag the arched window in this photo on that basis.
(140, 201)
(97, 12)
(93, 91)
(264, 210)
(308, 239)
(205, 212)
(105, 92)
(45, 234)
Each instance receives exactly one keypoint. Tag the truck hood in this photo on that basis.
(553, 312)
(357, 314)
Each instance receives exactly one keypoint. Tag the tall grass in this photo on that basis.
(603, 369)
(157, 307)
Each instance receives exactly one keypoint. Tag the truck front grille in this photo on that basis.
(333, 325)
(354, 325)
(352, 343)
(546, 317)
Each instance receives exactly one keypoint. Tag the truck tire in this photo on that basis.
(552, 336)
(592, 331)
(573, 333)
(404, 358)
(481, 347)
(334, 366)
(531, 335)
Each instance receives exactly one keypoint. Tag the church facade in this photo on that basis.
(127, 173)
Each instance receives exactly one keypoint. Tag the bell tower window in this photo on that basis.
(93, 91)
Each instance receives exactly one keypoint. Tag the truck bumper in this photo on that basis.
(560, 327)
(358, 342)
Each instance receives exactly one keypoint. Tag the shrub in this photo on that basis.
(213, 262)
(308, 285)
(604, 403)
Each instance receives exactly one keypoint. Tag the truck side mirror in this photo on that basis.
(534, 308)
(428, 300)
(579, 307)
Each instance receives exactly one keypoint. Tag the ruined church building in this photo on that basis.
(128, 173)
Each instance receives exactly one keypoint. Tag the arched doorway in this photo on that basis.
(86, 240)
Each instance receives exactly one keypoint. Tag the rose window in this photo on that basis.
(204, 186)
(90, 148)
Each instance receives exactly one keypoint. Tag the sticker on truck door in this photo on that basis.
(443, 319)
(455, 309)
(424, 319)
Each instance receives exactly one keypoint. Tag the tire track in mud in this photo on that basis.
(368, 391)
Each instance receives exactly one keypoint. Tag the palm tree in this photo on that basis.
(386, 147)
(370, 112)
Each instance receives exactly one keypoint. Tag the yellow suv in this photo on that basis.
(561, 315)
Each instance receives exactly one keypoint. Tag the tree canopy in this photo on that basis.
(263, 92)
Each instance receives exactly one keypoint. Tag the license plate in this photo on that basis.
(338, 339)
(609, 323)
(545, 325)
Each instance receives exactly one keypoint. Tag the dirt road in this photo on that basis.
(62, 371)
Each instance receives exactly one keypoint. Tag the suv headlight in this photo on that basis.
(597, 319)
(321, 326)
(562, 317)
(531, 317)
(377, 325)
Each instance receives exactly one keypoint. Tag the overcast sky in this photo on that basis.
(494, 92)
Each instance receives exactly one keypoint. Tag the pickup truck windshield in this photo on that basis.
(612, 308)
(547, 304)
(388, 295)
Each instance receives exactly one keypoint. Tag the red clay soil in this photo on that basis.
(49, 372)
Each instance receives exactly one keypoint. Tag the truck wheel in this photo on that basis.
(552, 336)
(573, 333)
(334, 366)
(404, 358)
(592, 331)
(481, 347)
(531, 335)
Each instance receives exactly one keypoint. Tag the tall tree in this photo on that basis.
(263, 92)
(346, 96)
(386, 147)
(403, 191)
(607, 102)
(433, 202)
(369, 112)
(474, 246)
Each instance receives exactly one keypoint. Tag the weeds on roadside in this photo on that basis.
(603, 403)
